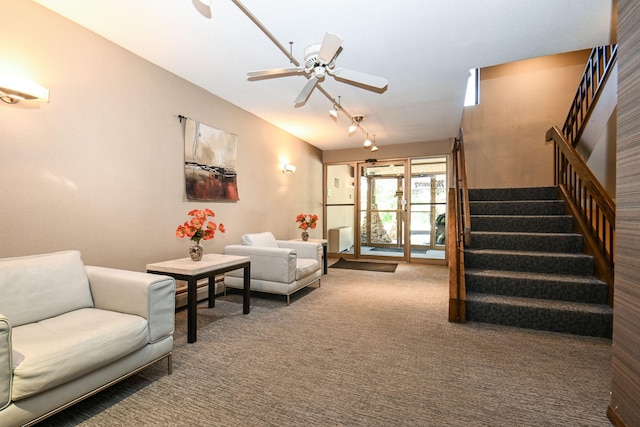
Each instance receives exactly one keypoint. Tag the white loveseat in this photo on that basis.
(277, 266)
(68, 330)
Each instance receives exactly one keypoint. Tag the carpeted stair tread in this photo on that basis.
(557, 316)
(531, 241)
(523, 223)
(586, 289)
(517, 207)
(540, 262)
(541, 303)
(526, 193)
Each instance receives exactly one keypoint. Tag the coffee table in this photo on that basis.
(191, 271)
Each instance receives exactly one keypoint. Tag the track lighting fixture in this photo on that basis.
(367, 142)
(355, 124)
(336, 107)
(334, 112)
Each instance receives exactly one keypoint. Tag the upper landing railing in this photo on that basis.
(595, 74)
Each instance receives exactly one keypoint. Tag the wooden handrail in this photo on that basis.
(590, 204)
(595, 74)
(459, 232)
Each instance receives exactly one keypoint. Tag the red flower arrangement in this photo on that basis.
(198, 227)
(307, 221)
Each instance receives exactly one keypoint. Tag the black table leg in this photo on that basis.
(212, 291)
(192, 310)
(246, 295)
(326, 261)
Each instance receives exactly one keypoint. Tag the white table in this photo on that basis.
(191, 271)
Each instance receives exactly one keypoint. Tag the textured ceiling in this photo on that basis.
(424, 47)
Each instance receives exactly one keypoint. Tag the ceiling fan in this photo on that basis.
(319, 60)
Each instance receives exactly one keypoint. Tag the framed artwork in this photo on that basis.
(209, 163)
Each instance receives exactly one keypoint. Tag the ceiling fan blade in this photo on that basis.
(275, 72)
(306, 91)
(361, 79)
(330, 45)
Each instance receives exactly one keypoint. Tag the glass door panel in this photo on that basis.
(428, 206)
(382, 210)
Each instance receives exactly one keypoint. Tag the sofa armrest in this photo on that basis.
(304, 249)
(147, 295)
(273, 264)
(6, 370)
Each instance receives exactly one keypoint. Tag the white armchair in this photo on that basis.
(277, 266)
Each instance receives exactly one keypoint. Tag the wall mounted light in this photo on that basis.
(14, 90)
(286, 168)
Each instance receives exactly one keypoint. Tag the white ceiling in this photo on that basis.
(424, 47)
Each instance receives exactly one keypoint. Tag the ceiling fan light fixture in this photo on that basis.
(203, 7)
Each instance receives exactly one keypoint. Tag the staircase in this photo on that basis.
(525, 266)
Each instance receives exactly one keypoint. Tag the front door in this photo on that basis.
(382, 211)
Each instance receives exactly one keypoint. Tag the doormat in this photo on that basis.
(362, 265)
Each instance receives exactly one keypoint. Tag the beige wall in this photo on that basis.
(100, 167)
(505, 134)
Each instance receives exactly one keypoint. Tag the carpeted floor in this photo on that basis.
(364, 349)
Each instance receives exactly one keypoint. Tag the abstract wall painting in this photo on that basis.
(209, 163)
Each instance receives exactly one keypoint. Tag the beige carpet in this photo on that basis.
(364, 349)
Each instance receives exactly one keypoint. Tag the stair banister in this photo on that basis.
(589, 203)
(458, 226)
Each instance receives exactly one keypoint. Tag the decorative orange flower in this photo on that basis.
(307, 221)
(193, 228)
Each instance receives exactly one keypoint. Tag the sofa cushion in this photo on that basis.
(265, 239)
(41, 286)
(56, 350)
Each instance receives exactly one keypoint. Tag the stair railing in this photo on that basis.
(596, 72)
(590, 204)
(458, 226)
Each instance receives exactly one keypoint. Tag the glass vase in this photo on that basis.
(196, 251)
(305, 236)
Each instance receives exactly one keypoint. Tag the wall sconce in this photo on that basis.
(14, 90)
(288, 168)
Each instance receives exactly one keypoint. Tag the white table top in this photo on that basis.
(310, 240)
(187, 266)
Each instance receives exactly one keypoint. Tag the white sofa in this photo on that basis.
(68, 331)
(277, 266)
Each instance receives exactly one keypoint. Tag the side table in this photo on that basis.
(191, 271)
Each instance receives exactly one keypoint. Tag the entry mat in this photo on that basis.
(362, 265)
